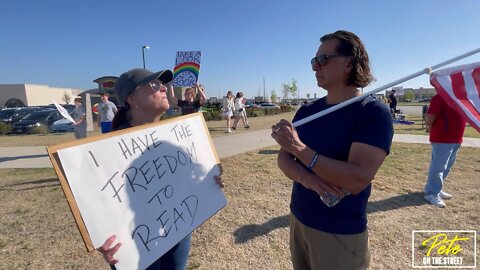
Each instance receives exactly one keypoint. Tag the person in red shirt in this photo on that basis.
(446, 128)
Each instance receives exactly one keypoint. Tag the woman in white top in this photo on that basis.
(240, 111)
(228, 107)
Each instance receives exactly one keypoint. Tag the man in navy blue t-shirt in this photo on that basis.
(336, 155)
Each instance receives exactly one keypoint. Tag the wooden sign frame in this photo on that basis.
(54, 158)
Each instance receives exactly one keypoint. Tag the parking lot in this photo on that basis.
(34, 119)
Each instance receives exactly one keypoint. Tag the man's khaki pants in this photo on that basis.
(313, 249)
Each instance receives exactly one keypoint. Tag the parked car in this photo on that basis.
(62, 125)
(36, 119)
(10, 116)
(173, 111)
(268, 105)
(6, 114)
(251, 104)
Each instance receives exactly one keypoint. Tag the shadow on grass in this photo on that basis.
(249, 232)
(217, 129)
(400, 201)
(3, 159)
(42, 183)
(268, 152)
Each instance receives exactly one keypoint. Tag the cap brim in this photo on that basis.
(165, 76)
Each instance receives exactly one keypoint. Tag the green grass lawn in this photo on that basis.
(412, 103)
(418, 129)
(37, 230)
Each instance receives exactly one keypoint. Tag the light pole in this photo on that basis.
(264, 97)
(143, 54)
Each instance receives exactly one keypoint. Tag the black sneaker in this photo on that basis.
(234, 128)
(247, 126)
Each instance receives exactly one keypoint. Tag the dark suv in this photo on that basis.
(10, 116)
(36, 119)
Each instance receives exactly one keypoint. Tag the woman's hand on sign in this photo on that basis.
(108, 251)
(219, 181)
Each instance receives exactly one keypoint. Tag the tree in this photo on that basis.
(409, 95)
(290, 89)
(66, 97)
(273, 96)
(286, 91)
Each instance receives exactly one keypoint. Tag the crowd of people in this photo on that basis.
(331, 168)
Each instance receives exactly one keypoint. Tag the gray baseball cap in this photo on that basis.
(128, 81)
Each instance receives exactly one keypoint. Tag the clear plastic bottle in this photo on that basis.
(331, 200)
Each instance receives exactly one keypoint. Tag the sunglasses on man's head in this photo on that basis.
(322, 59)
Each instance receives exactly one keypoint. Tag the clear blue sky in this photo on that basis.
(71, 43)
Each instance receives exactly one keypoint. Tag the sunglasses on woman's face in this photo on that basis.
(156, 85)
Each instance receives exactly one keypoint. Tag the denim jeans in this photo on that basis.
(443, 158)
(175, 259)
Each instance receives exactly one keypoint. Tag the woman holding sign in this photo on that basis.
(189, 104)
(333, 159)
(143, 97)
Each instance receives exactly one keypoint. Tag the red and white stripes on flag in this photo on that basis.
(460, 88)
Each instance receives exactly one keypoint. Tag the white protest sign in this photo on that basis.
(63, 112)
(150, 185)
(187, 68)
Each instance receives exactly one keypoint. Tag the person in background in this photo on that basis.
(446, 128)
(80, 125)
(393, 103)
(189, 104)
(228, 108)
(143, 96)
(240, 112)
(333, 159)
(107, 111)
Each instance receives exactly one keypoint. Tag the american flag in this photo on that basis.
(460, 88)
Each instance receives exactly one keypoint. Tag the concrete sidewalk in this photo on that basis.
(36, 156)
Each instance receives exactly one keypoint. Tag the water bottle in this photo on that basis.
(331, 200)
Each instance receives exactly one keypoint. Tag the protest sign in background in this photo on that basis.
(63, 112)
(150, 185)
(187, 67)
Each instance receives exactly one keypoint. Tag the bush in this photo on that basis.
(287, 108)
(5, 128)
(213, 115)
(271, 111)
(39, 130)
(257, 113)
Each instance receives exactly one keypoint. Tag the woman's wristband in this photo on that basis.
(313, 162)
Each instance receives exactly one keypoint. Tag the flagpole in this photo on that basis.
(427, 70)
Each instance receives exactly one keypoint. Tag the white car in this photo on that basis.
(62, 125)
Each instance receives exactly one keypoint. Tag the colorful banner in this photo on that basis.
(187, 67)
